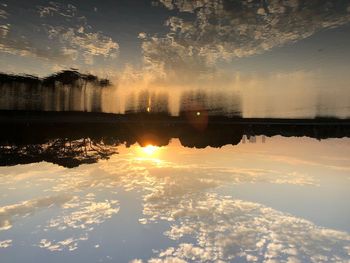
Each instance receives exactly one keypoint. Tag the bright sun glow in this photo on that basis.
(150, 149)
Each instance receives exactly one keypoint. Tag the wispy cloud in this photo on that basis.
(223, 228)
(5, 243)
(70, 244)
(8, 213)
(84, 214)
(227, 229)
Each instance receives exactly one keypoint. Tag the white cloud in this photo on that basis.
(84, 214)
(5, 243)
(7, 213)
(228, 230)
(70, 244)
(167, 260)
(223, 229)
(80, 212)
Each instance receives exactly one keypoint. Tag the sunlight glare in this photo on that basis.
(150, 149)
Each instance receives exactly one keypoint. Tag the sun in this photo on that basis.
(150, 150)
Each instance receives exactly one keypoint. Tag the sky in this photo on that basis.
(288, 203)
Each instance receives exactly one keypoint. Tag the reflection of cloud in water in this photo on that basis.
(64, 27)
(223, 30)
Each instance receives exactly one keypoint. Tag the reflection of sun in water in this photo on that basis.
(150, 150)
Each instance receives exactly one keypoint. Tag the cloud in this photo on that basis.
(5, 243)
(223, 229)
(176, 180)
(84, 214)
(80, 212)
(227, 229)
(7, 213)
(167, 260)
(70, 243)
(302, 161)
(223, 30)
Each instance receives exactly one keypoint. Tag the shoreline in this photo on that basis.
(78, 117)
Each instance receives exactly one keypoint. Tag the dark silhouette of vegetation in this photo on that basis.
(19, 79)
(74, 138)
(65, 77)
(65, 152)
(67, 90)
